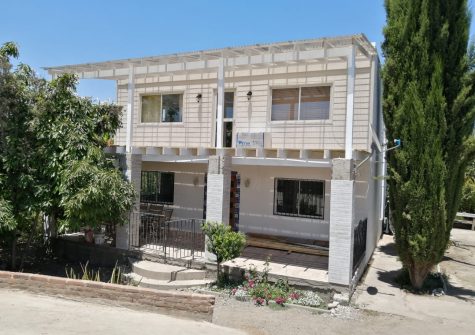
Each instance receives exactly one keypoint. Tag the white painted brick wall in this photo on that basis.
(341, 232)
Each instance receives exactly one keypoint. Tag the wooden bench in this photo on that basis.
(466, 218)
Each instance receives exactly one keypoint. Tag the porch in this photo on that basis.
(257, 200)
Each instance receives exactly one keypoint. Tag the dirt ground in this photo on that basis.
(459, 265)
(266, 321)
(385, 308)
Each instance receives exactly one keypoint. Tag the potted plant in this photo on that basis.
(99, 235)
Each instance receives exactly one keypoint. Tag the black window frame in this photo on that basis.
(158, 197)
(320, 216)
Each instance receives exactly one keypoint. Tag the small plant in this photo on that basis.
(86, 273)
(259, 301)
(116, 276)
(89, 274)
(280, 300)
(306, 298)
(223, 242)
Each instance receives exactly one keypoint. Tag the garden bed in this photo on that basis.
(256, 288)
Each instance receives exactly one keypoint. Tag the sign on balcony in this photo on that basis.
(250, 140)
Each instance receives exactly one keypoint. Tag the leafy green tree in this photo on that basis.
(18, 169)
(93, 192)
(67, 127)
(51, 155)
(223, 242)
(429, 104)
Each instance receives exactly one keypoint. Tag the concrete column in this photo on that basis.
(130, 110)
(340, 262)
(220, 107)
(128, 234)
(218, 188)
(350, 92)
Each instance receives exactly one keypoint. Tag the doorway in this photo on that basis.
(228, 118)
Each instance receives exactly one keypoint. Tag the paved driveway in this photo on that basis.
(379, 293)
(26, 313)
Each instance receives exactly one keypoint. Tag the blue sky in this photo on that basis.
(53, 33)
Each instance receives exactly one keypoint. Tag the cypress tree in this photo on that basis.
(429, 104)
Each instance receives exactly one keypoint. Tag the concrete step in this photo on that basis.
(166, 272)
(165, 284)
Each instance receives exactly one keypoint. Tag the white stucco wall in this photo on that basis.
(367, 205)
(257, 199)
(257, 202)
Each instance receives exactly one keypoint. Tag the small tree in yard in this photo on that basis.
(94, 193)
(51, 159)
(429, 104)
(223, 242)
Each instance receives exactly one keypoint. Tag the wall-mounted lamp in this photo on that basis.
(198, 97)
(249, 95)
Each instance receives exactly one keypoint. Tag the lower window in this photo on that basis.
(304, 198)
(157, 187)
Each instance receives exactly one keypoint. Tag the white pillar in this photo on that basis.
(218, 188)
(340, 260)
(130, 110)
(220, 107)
(350, 92)
(128, 234)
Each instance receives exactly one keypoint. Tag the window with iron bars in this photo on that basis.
(302, 198)
(157, 187)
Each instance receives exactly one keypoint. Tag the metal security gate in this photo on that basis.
(176, 239)
(359, 244)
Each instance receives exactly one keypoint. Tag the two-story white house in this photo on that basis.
(281, 139)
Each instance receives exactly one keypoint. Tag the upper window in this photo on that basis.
(304, 103)
(305, 198)
(228, 105)
(157, 187)
(162, 108)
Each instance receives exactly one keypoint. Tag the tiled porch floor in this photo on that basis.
(299, 269)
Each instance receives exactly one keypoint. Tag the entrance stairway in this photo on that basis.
(166, 277)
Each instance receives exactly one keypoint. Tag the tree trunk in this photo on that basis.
(418, 274)
(218, 270)
(14, 251)
(28, 243)
(51, 229)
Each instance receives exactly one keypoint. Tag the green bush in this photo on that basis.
(467, 203)
(223, 242)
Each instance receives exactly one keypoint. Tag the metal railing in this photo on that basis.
(359, 244)
(175, 239)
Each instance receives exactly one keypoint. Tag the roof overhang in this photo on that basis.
(245, 57)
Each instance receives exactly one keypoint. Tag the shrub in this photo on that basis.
(223, 242)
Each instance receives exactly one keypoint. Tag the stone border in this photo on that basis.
(189, 305)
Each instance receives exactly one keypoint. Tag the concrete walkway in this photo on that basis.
(26, 313)
(378, 292)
